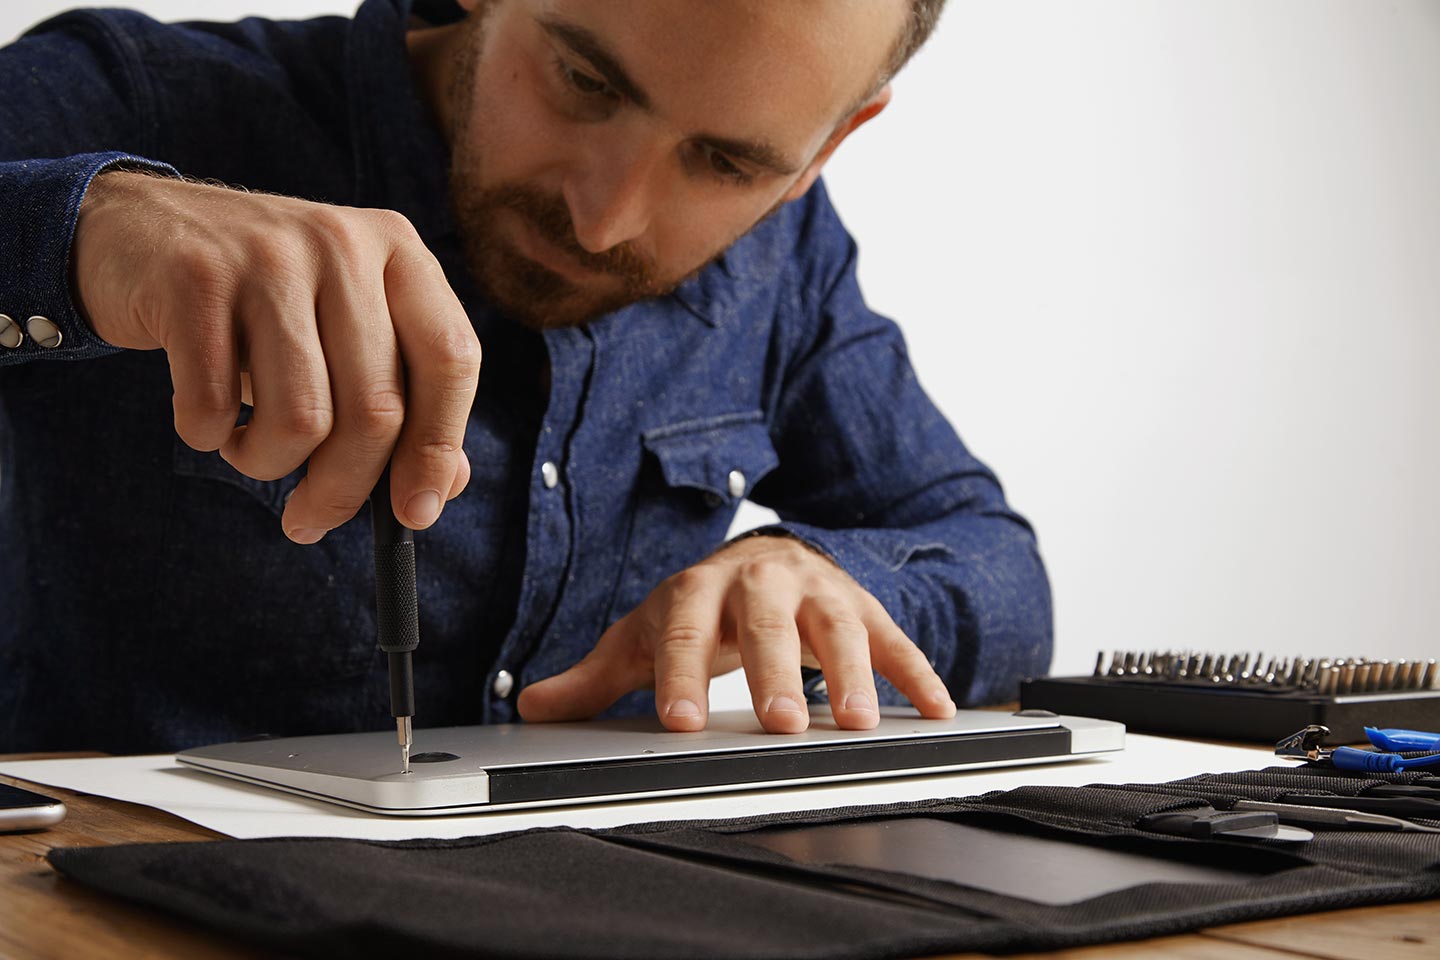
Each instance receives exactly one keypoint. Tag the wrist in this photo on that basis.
(775, 538)
(98, 265)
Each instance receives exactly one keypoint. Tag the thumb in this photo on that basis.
(614, 668)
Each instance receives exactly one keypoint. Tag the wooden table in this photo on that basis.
(45, 916)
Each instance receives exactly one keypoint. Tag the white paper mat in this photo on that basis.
(246, 811)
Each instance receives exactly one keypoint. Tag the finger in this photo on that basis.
(205, 371)
(369, 401)
(462, 477)
(290, 386)
(832, 628)
(763, 602)
(442, 368)
(903, 664)
(686, 637)
(606, 674)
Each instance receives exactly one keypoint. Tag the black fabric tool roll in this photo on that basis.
(1027, 869)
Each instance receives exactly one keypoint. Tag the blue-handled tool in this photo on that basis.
(1305, 745)
(1403, 741)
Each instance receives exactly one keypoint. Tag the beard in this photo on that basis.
(519, 286)
(530, 291)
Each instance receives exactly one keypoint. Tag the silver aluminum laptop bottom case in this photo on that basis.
(512, 766)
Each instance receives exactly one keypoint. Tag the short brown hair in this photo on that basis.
(919, 24)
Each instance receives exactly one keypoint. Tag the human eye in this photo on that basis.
(723, 168)
(583, 84)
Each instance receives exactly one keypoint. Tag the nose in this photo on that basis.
(612, 193)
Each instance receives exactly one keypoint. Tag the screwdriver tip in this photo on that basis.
(403, 729)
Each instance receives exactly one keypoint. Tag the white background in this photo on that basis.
(1173, 269)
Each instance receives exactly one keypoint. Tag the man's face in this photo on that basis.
(603, 152)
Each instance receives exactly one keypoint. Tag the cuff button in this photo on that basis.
(44, 332)
(11, 336)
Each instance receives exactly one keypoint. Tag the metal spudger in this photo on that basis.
(396, 608)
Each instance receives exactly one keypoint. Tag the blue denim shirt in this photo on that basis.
(148, 598)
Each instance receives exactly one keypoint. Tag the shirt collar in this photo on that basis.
(401, 159)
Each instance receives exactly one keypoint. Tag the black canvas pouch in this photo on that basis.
(815, 884)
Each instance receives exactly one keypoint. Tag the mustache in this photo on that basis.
(551, 218)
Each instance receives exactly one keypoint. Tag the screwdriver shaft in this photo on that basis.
(402, 727)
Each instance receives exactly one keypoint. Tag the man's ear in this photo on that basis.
(867, 111)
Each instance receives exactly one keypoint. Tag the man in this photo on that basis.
(290, 239)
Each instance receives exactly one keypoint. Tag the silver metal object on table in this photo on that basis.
(1337, 676)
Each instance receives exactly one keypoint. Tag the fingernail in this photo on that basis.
(683, 710)
(784, 704)
(423, 508)
(859, 701)
(306, 535)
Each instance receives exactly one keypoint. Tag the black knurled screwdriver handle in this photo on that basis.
(397, 611)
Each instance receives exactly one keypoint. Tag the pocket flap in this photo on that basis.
(723, 456)
(207, 465)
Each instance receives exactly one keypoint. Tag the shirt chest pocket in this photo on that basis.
(253, 607)
(693, 476)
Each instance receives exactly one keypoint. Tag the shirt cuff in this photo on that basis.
(44, 198)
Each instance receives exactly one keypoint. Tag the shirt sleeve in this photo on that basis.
(74, 106)
(873, 476)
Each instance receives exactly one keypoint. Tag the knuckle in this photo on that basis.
(344, 235)
(276, 253)
(872, 607)
(200, 269)
(307, 420)
(378, 413)
(841, 624)
(762, 572)
(901, 649)
(207, 397)
(395, 224)
(682, 636)
(434, 457)
(766, 626)
(456, 352)
(844, 631)
(687, 581)
(439, 451)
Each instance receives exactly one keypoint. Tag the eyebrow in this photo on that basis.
(585, 44)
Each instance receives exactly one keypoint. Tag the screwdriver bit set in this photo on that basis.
(1245, 696)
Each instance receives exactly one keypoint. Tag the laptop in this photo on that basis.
(461, 770)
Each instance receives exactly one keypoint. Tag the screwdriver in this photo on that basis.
(396, 608)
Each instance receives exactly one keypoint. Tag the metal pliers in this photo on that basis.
(1387, 758)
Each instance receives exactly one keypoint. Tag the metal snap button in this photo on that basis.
(44, 332)
(503, 684)
(737, 483)
(11, 335)
(549, 474)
